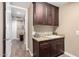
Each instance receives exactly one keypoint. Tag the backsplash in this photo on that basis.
(44, 29)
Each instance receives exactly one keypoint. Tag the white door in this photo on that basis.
(1, 29)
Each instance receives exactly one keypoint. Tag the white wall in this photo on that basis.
(1, 29)
(30, 27)
(8, 21)
(14, 28)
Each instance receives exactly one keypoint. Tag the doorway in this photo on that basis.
(16, 27)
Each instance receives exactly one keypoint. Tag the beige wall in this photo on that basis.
(1, 29)
(68, 25)
(30, 24)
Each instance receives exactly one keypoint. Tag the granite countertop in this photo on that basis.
(44, 38)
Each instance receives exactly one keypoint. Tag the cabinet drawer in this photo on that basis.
(44, 44)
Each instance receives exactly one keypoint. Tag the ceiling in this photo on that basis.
(21, 4)
(58, 4)
(26, 4)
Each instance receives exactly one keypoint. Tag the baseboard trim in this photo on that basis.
(30, 52)
(69, 54)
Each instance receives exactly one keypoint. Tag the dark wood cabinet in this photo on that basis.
(56, 17)
(57, 47)
(39, 15)
(53, 48)
(48, 48)
(45, 14)
(44, 49)
(50, 14)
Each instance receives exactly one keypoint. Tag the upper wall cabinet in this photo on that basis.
(39, 13)
(45, 14)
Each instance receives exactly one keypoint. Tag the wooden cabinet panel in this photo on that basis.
(45, 14)
(39, 13)
(35, 48)
(44, 50)
(53, 48)
(50, 15)
(56, 17)
(59, 46)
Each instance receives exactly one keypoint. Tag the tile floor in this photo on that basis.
(64, 55)
(18, 50)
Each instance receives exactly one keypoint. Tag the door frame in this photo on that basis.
(4, 29)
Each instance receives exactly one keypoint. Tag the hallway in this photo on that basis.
(18, 49)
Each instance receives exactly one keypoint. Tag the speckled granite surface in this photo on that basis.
(47, 37)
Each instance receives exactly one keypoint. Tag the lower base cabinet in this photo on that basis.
(49, 48)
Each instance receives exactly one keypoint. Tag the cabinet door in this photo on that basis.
(39, 13)
(53, 48)
(59, 46)
(56, 16)
(44, 50)
(35, 48)
(45, 14)
(50, 15)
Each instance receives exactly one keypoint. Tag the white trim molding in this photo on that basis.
(69, 54)
(30, 52)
